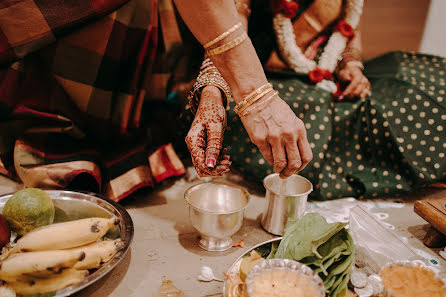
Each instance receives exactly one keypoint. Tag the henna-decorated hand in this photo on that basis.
(280, 137)
(358, 84)
(205, 137)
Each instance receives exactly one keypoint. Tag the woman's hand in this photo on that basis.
(358, 84)
(205, 137)
(280, 137)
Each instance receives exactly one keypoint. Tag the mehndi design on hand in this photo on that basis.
(205, 136)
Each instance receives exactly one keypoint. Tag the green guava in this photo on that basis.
(29, 209)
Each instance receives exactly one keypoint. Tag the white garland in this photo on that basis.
(331, 55)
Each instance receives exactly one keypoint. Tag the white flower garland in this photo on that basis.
(331, 55)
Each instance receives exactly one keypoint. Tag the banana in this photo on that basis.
(41, 264)
(97, 253)
(33, 285)
(65, 235)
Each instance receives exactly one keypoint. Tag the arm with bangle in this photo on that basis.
(269, 121)
(350, 70)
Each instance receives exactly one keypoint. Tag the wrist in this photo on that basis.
(211, 94)
(354, 64)
(241, 69)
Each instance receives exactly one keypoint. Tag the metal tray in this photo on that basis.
(235, 267)
(75, 205)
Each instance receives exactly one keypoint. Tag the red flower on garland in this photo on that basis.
(318, 74)
(345, 29)
(287, 7)
(337, 95)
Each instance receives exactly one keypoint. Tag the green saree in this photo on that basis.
(387, 144)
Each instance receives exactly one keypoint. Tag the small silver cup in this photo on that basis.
(216, 211)
(279, 207)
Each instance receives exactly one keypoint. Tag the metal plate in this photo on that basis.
(235, 267)
(73, 206)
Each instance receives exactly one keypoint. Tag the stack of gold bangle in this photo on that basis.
(226, 46)
(221, 36)
(264, 101)
(252, 98)
(209, 76)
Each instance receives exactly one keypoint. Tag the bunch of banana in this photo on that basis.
(59, 255)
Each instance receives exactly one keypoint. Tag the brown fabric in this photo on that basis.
(73, 83)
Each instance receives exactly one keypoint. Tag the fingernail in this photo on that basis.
(211, 162)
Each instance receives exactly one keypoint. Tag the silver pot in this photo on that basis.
(280, 206)
(216, 212)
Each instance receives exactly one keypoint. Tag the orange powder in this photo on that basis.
(405, 281)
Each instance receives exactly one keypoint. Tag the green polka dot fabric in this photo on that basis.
(387, 144)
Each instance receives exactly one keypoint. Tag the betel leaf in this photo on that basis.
(328, 282)
(340, 289)
(303, 237)
(330, 251)
(340, 266)
(326, 248)
(264, 250)
(274, 247)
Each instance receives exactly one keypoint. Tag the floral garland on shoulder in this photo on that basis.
(322, 72)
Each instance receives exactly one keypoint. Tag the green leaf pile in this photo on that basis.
(326, 248)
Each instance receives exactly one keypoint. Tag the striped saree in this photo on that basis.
(74, 77)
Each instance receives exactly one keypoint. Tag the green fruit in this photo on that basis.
(29, 209)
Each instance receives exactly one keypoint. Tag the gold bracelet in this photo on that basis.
(259, 105)
(242, 7)
(227, 46)
(220, 37)
(252, 95)
(254, 100)
(355, 64)
(312, 22)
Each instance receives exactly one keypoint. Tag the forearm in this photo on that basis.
(352, 52)
(239, 66)
(354, 46)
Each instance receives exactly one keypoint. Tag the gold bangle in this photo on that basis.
(252, 95)
(355, 64)
(227, 46)
(220, 37)
(242, 7)
(254, 100)
(312, 22)
(259, 105)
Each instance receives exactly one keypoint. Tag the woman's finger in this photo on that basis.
(306, 154)
(225, 162)
(265, 149)
(279, 156)
(196, 144)
(222, 168)
(366, 91)
(353, 84)
(360, 88)
(267, 153)
(294, 161)
(214, 142)
(345, 75)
